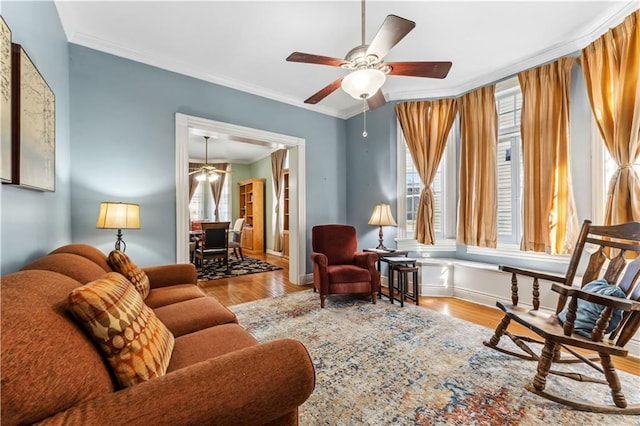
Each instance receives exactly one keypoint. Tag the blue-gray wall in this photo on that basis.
(34, 223)
(115, 138)
(123, 147)
(372, 172)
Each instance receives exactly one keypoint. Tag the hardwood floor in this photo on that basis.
(247, 288)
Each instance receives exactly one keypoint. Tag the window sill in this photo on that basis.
(513, 251)
(448, 245)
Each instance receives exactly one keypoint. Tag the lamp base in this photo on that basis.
(380, 245)
(120, 244)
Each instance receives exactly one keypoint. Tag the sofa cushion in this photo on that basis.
(123, 264)
(164, 296)
(209, 343)
(193, 315)
(85, 250)
(48, 363)
(77, 267)
(137, 345)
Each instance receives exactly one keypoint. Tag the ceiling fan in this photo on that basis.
(207, 172)
(367, 70)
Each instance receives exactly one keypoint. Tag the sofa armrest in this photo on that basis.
(253, 385)
(167, 275)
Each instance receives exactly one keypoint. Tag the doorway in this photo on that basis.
(297, 218)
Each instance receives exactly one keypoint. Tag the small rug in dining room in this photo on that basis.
(214, 271)
(381, 364)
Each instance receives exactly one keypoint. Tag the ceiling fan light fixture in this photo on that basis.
(201, 177)
(363, 83)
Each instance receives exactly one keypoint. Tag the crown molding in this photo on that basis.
(543, 56)
(571, 47)
(105, 46)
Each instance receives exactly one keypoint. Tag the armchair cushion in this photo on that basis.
(137, 345)
(348, 274)
(123, 264)
(587, 313)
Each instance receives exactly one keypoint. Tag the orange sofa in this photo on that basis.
(52, 372)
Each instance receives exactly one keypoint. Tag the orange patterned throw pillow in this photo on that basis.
(123, 264)
(137, 345)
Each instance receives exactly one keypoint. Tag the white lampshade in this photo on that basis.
(201, 177)
(363, 83)
(114, 215)
(382, 216)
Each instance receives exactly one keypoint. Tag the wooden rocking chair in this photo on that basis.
(614, 244)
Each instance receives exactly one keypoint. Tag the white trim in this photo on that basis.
(169, 63)
(513, 251)
(597, 173)
(296, 146)
(446, 245)
(401, 184)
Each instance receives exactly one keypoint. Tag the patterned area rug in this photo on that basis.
(216, 271)
(382, 364)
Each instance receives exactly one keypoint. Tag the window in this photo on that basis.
(414, 188)
(202, 206)
(196, 205)
(603, 167)
(609, 167)
(509, 162)
(410, 187)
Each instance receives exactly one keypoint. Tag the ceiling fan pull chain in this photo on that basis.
(362, 22)
(364, 112)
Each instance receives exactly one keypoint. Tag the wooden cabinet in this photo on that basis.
(285, 209)
(251, 198)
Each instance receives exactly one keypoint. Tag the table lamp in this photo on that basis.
(117, 215)
(382, 216)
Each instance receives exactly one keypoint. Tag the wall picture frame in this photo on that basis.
(6, 157)
(33, 130)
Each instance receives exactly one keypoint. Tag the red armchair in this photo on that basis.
(338, 267)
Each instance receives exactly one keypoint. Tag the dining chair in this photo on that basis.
(213, 244)
(236, 238)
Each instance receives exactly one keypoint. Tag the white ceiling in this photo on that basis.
(223, 149)
(243, 44)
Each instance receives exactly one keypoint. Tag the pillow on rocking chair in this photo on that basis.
(588, 313)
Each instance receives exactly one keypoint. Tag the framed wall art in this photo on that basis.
(5, 102)
(34, 133)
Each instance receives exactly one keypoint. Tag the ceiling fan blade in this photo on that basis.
(392, 30)
(420, 69)
(194, 172)
(376, 101)
(309, 58)
(324, 92)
